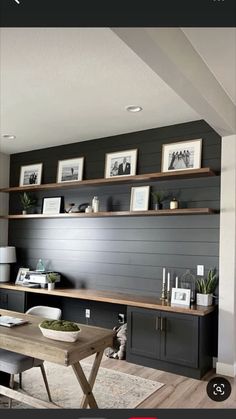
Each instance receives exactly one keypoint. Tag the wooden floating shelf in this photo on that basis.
(181, 174)
(179, 211)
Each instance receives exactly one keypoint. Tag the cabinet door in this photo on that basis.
(12, 300)
(179, 339)
(143, 334)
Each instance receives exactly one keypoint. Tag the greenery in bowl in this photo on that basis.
(60, 325)
(27, 201)
(209, 284)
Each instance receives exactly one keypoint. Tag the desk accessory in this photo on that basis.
(7, 256)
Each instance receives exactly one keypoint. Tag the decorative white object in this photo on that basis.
(204, 299)
(174, 204)
(164, 276)
(60, 334)
(176, 282)
(95, 204)
(51, 286)
(7, 256)
(180, 297)
(168, 281)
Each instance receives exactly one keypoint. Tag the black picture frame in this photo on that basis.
(52, 205)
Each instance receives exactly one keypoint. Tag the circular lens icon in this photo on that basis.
(218, 389)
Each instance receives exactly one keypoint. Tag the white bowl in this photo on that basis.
(60, 334)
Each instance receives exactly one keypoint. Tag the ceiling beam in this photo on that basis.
(169, 53)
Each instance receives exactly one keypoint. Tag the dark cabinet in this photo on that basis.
(169, 341)
(12, 300)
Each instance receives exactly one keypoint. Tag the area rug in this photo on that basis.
(112, 390)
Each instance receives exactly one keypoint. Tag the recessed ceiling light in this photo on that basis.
(9, 137)
(134, 108)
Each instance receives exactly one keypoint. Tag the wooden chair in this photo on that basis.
(13, 363)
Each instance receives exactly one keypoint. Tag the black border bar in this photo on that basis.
(120, 13)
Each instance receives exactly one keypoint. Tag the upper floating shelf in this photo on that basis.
(181, 174)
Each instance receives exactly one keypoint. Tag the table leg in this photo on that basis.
(92, 376)
(87, 390)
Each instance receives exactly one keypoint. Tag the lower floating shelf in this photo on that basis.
(179, 211)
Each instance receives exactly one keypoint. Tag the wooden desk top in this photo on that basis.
(114, 298)
(27, 339)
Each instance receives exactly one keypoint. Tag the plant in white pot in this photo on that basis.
(27, 202)
(205, 288)
(51, 277)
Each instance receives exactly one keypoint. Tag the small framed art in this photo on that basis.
(180, 297)
(21, 275)
(31, 174)
(70, 170)
(121, 163)
(139, 198)
(53, 205)
(183, 155)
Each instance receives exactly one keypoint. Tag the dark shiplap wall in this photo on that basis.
(123, 254)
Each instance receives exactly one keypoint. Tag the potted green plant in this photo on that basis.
(27, 201)
(51, 277)
(205, 288)
(158, 198)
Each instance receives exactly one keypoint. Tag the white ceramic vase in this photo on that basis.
(51, 286)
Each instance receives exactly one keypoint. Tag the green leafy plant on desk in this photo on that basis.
(51, 277)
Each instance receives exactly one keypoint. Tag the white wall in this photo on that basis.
(4, 182)
(226, 364)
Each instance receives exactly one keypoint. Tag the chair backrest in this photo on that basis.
(45, 311)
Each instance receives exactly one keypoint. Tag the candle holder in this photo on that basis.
(168, 295)
(163, 292)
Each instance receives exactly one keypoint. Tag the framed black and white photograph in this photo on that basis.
(184, 155)
(31, 174)
(139, 198)
(180, 297)
(21, 275)
(121, 163)
(52, 205)
(70, 170)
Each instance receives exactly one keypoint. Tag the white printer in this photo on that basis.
(39, 278)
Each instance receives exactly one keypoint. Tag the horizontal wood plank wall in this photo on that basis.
(122, 254)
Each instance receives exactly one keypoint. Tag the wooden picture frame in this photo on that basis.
(182, 155)
(31, 174)
(140, 198)
(70, 170)
(121, 163)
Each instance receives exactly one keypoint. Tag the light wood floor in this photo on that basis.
(178, 391)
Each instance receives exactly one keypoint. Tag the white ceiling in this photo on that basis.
(64, 85)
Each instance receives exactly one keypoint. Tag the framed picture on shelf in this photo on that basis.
(21, 276)
(139, 198)
(183, 155)
(53, 205)
(121, 163)
(180, 297)
(31, 174)
(70, 170)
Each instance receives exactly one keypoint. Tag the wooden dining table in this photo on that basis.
(27, 339)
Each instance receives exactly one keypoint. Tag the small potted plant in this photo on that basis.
(51, 277)
(27, 201)
(63, 330)
(205, 288)
(158, 198)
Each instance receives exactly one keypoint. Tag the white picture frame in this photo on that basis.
(21, 276)
(139, 200)
(180, 297)
(53, 205)
(121, 163)
(182, 155)
(70, 170)
(31, 174)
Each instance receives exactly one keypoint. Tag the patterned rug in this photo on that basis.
(112, 389)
